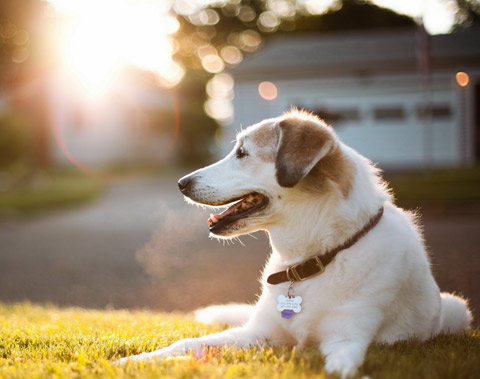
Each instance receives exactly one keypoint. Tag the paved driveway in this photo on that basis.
(141, 245)
(139, 239)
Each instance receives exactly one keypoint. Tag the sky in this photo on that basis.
(438, 15)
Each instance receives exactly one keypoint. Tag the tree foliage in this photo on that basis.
(16, 141)
(467, 14)
(17, 21)
(244, 24)
(352, 15)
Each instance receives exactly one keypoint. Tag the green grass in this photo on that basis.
(48, 342)
(451, 187)
(58, 189)
(49, 190)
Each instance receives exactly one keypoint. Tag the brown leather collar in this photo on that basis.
(316, 265)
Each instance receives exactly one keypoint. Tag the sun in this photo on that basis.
(99, 38)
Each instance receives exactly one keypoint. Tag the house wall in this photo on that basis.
(408, 141)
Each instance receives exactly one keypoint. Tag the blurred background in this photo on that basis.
(104, 104)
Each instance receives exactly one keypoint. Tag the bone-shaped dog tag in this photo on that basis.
(289, 305)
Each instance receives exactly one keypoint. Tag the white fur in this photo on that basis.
(233, 314)
(380, 289)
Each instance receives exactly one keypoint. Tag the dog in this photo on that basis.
(347, 266)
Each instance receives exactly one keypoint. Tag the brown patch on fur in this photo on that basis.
(304, 115)
(265, 139)
(334, 167)
(301, 144)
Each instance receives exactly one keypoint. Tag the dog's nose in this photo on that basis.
(184, 184)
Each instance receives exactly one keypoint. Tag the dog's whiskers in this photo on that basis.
(240, 241)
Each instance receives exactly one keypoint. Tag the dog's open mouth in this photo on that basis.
(244, 207)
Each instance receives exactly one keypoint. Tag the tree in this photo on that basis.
(352, 15)
(17, 20)
(238, 27)
(18, 69)
(467, 14)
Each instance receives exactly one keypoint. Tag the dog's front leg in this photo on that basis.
(345, 341)
(240, 337)
(343, 356)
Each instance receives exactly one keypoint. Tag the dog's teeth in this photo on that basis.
(213, 219)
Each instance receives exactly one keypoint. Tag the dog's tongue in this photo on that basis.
(215, 218)
(243, 205)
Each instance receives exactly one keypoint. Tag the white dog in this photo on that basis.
(347, 266)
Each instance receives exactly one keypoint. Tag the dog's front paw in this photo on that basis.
(341, 365)
(187, 346)
(156, 355)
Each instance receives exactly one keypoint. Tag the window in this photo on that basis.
(390, 114)
(435, 111)
(336, 116)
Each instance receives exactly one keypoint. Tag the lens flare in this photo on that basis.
(268, 90)
(58, 137)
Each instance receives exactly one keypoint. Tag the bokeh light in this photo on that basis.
(246, 13)
(19, 54)
(220, 95)
(185, 7)
(172, 76)
(268, 21)
(204, 17)
(462, 78)
(320, 6)
(18, 40)
(268, 90)
(282, 8)
(205, 50)
(213, 63)
(221, 87)
(21, 37)
(231, 55)
(249, 40)
(220, 110)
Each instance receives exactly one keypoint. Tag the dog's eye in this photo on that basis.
(241, 152)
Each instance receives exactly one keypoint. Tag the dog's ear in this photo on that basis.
(302, 143)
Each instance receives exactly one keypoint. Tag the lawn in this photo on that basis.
(45, 341)
(454, 186)
(49, 190)
(56, 189)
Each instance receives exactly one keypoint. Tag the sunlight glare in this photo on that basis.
(104, 36)
(90, 59)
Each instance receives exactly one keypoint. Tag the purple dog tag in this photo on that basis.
(288, 305)
(287, 313)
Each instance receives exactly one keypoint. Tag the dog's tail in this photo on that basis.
(455, 317)
(233, 314)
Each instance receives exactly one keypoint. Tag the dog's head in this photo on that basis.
(275, 162)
